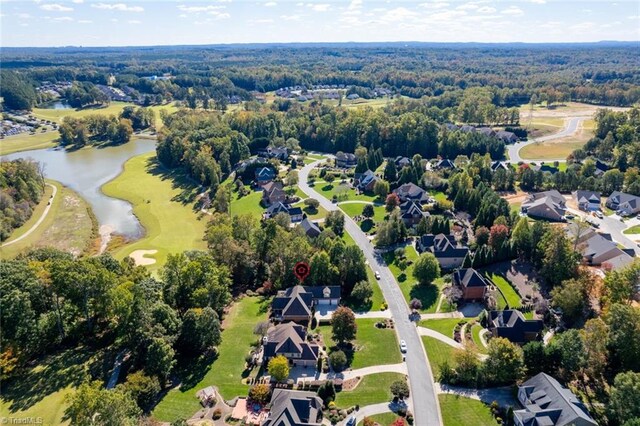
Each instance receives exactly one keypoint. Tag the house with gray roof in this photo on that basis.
(294, 408)
(290, 340)
(297, 303)
(264, 175)
(411, 213)
(273, 192)
(623, 204)
(295, 213)
(445, 248)
(345, 160)
(587, 201)
(473, 285)
(512, 325)
(411, 191)
(598, 249)
(546, 402)
(445, 164)
(487, 131)
(365, 181)
(497, 165)
(549, 205)
(311, 229)
(401, 162)
(507, 137)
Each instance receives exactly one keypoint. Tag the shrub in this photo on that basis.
(327, 392)
(217, 413)
(260, 393)
(312, 203)
(338, 360)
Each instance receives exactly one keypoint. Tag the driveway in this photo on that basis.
(426, 407)
(612, 225)
(570, 128)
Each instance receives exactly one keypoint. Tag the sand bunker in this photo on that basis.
(139, 258)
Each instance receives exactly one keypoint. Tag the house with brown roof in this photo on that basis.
(290, 340)
(411, 213)
(273, 192)
(512, 325)
(411, 191)
(473, 285)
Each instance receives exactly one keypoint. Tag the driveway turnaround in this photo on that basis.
(426, 409)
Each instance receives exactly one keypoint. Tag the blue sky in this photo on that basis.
(125, 23)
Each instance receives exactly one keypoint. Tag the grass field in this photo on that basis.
(438, 352)
(249, 204)
(374, 346)
(460, 411)
(69, 225)
(559, 148)
(438, 195)
(373, 389)
(374, 303)
(328, 190)
(475, 334)
(384, 419)
(27, 142)
(162, 200)
(428, 295)
(443, 326)
(355, 209)
(226, 372)
(632, 230)
(510, 294)
(40, 390)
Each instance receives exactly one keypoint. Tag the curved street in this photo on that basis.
(40, 219)
(571, 126)
(425, 401)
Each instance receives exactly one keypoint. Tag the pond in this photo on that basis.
(86, 170)
(59, 104)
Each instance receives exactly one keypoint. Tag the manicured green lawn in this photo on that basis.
(227, 371)
(336, 188)
(632, 230)
(428, 295)
(475, 333)
(355, 209)
(249, 204)
(515, 207)
(163, 202)
(27, 142)
(374, 303)
(510, 294)
(373, 389)
(438, 195)
(384, 419)
(460, 411)
(443, 326)
(438, 352)
(374, 346)
(69, 225)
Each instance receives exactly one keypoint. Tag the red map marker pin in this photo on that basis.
(301, 270)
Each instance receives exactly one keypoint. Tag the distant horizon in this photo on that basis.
(332, 43)
(145, 23)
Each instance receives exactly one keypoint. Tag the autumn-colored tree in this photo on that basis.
(278, 368)
(498, 234)
(343, 324)
(260, 393)
(391, 202)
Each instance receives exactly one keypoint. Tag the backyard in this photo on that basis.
(226, 371)
(511, 297)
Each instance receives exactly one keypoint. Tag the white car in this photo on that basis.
(599, 214)
(377, 274)
(403, 346)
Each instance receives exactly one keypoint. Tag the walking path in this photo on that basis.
(442, 315)
(423, 331)
(42, 217)
(367, 411)
(320, 317)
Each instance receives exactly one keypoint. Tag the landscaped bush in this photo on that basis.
(217, 413)
(338, 360)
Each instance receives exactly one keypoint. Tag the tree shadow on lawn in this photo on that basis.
(310, 211)
(366, 225)
(427, 294)
(179, 180)
(348, 349)
(53, 373)
(192, 370)
(358, 305)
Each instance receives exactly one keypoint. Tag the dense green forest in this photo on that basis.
(21, 187)
(606, 74)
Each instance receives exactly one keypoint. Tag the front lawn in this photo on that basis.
(475, 333)
(343, 191)
(460, 411)
(632, 230)
(374, 346)
(372, 304)
(372, 389)
(355, 209)
(443, 326)
(512, 298)
(438, 352)
(225, 372)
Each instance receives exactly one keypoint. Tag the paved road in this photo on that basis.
(42, 217)
(425, 407)
(570, 128)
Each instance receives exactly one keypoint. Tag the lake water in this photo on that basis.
(55, 105)
(86, 170)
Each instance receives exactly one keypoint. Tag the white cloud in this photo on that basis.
(23, 16)
(182, 15)
(261, 21)
(538, 1)
(134, 22)
(513, 11)
(582, 26)
(63, 19)
(198, 9)
(270, 4)
(435, 5)
(319, 7)
(290, 17)
(399, 14)
(85, 21)
(486, 9)
(355, 4)
(77, 1)
(56, 8)
(121, 7)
